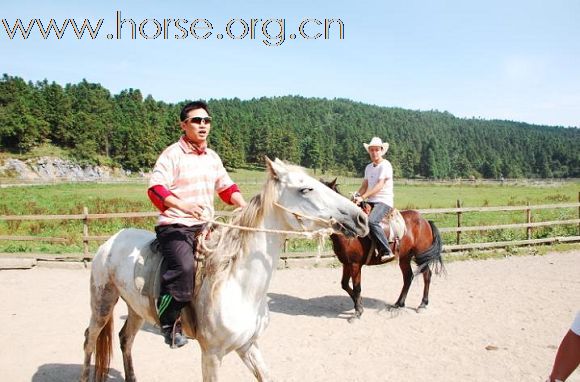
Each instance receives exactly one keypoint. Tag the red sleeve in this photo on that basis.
(226, 195)
(157, 195)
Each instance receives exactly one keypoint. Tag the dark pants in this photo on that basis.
(378, 212)
(178, 245)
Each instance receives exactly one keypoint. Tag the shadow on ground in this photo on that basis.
(325, 306)
(58, 372)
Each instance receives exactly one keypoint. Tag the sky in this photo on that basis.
(513, 60)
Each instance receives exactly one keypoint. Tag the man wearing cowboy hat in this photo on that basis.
(377, 188)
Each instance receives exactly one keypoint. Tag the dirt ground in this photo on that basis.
(493, 320)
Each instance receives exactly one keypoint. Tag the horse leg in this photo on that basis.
(427, 282)
(356, 280)
(210, 363)
(345, 282)
(126, 338)
(405, 266)
(98, 336)
(252, 358)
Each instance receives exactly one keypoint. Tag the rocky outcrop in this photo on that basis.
(52, 168)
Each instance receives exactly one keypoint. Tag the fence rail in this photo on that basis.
(528, 225)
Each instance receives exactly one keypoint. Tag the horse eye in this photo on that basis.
(306, 190)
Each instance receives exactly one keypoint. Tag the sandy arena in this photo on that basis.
(493, 320)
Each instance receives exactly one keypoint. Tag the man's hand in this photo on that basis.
(193, 209)
(357, 200)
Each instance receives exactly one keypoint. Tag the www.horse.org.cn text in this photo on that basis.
(271, 32)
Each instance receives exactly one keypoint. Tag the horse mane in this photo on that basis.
(228, 245)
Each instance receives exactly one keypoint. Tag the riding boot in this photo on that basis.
(386, 255)
(169, 311)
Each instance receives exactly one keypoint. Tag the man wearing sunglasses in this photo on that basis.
(182, 186)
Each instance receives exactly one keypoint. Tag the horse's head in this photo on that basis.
(309, 204)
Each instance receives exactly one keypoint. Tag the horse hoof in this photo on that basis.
(354, 319)
(394, 308)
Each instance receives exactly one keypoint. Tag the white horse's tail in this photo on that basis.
(103, 299)
(103, 351)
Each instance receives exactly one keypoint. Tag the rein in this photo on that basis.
(308, 234)
(299, 217)
(319, 234)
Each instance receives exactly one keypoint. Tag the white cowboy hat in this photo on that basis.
(378, 142)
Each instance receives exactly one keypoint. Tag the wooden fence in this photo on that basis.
(528, 224)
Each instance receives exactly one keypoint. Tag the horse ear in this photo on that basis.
(333, 183)
(276, 168)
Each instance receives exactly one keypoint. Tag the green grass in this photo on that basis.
(421, 195)
(131, 197)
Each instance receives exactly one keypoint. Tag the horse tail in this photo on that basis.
(103, 351)
(431, 258)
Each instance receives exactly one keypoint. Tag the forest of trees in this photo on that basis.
(126, 130)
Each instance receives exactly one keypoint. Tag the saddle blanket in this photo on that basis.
(147, 274)
(394, 224)
(148, 270)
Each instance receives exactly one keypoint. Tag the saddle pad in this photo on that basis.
(394, 224)
(148, 270)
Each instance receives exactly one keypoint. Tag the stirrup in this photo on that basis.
(387, 257)
(173, 336)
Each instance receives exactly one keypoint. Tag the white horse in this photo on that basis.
(230, 309)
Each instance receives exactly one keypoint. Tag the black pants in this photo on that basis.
(178, 245)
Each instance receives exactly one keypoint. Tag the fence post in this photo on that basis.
(458, 204)
(529, 220)
(86, 232)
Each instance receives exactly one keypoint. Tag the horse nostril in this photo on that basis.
(362, 219)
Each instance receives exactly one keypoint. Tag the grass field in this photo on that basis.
(70, 198)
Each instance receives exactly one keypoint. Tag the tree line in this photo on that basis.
(128, 130)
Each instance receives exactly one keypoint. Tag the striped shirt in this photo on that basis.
(191, 177)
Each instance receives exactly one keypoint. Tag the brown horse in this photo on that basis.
(421, 243)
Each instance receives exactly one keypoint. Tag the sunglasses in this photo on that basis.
(198, 120)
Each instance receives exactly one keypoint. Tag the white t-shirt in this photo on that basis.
(374, 173)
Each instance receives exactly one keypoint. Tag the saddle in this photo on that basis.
(147, 274)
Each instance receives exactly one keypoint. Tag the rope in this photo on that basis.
(319, 234)
(308, 234)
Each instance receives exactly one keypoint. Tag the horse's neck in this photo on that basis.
(255, 270)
